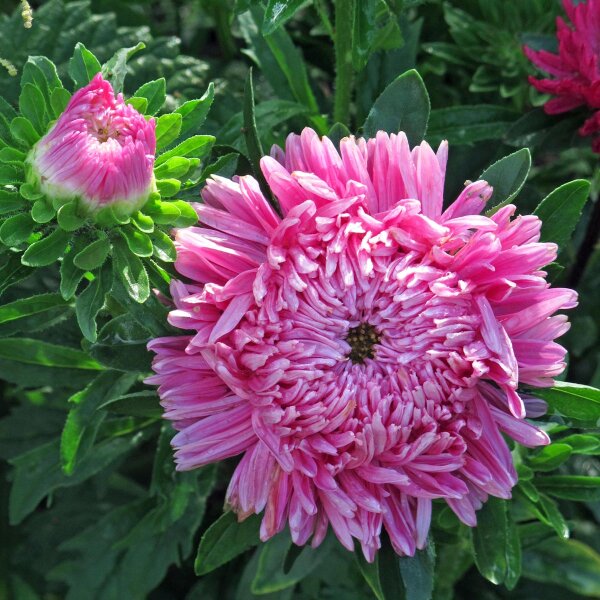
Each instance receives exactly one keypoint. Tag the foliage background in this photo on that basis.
(90, 505)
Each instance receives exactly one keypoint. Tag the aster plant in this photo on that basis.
(89, 178)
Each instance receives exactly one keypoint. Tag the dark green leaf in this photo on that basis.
(33, 106)
(490, 540)
(138, 404)
(550, 457)
(30, 306)
(15, 230)
(139, 243)
(93, 255)
(85, 416)
(36, 352)
(224, 540)
(560, 211)
(23, 131)
(507, 177)
(278, 12)
(573, 400)
(83, 66)
(570, 487)
(47, 250)
(402, 106)
(194, 112)
(131, 272)
(417, 573)
(90, 302)
(115, 69)
(370, 571)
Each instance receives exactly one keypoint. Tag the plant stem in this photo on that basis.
(344, 73)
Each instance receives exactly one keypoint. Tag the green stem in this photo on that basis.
(344, 73)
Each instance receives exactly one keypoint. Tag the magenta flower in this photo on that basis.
(576, 68)
(363, 353)
(100, 150)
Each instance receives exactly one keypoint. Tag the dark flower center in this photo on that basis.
(362, 339)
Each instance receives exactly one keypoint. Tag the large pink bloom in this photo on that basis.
(576, 68)
(363, 352)
(100, 150)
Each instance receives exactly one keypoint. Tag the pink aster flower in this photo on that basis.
(363, 353)
(576, 68)
(100, 150)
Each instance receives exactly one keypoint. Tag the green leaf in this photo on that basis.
(187, 214)
(71, 275)
(15, 230)
(12, 156)
(30, 306)
(22, 130)
(507, 177)
(572, 400)
(93, 255)
(197, 146)
(140, 104)
(131, 272)
(47, 250)
(41, 72)
(90, 302)
(115, 69)
(83, 66)
(402, 106)
(42, 211)
(59, 98)
(142, 222)
(273, 573)
(514, 558)
(560, 211)
(33, 106)
(417, 573)
(138, 404)
(155, 92)
(570, 487)
(85, 416)
(389, 572)
(193, 112)
(566, 563)
(490, 540)
(30, 192)
(468, 124)
(163, 246)
(122, 345)
(10, 201)
(278, 12)
(255, 151)
(168, 128)
(139, 243)
(36, 352)
(168, 187)
(175, 167)
(69, 217)
(582, 443)
(10, 174)
(225, 539)
(550, 457)
(370, 571)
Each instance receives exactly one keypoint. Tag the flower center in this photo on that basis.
(362, 339)
(104, 131)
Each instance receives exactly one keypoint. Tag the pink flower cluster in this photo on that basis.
(100, 150)
(363, 353)
(576, 67)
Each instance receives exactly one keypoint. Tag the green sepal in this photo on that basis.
(16, 230)
(42, 211)
(69, 217)
(30, 192)
(143, 222)
(188, 215)
(93, 255)
(168, 187)
(109, 216)
(47, 250)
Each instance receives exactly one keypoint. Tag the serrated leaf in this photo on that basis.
(92, 256)
(131, 272)
(115, 69)
(197, 146)
(155, 92)
(47, 250)
(22, 130)
(164, 248)
(91, 300)
(15, 230)
(84, 415)
(193, 112)
(507, 176)
(139, 243)
(10, 201)
(403, 106)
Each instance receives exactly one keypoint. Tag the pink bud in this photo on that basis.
(100, 150)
